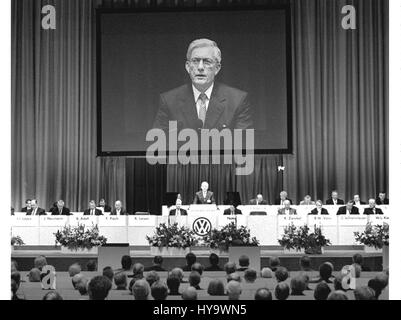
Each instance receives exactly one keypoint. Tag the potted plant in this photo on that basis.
(16, 241)
(229, 236)
(171, 240)
(291, 239)
(79, 239)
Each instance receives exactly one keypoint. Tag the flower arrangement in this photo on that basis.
(374, 236)
(75, 238)
(230, 235)
(172, 236)
(302, 238)
(17, 241)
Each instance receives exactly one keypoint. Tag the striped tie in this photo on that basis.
(202, 109)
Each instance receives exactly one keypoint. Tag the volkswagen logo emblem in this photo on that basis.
(202, 226)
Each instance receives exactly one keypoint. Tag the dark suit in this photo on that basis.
(370, 211)
(278, 201)
(360, 202)
(379, 202)
(122, 212)
(228, 211)
(213, 268)
(228, 108)
(64, 212)
(155, 268)
(182, 212)
(330, 201)
(252, 202)
(98, 212)
(199, 199)
(106, 208)
(324, 211)
(39, 212)
(343, 210)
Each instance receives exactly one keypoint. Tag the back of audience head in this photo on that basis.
(52, 295)
(233, 276)
(337, 295)
(214, 259)
(357, 258)
(190, 258)
(376, 286)
(34, 275)
(250, 275)
(216, 288)
(82, 286)
(74, 269)
(197, 267)
(305, 263)
(322, 291)
(76, 279)
(281, 274)
(159, 291)
(173, 284)
(158, 260)
(178, 273)
(325, 271)
(263, 294)
(298, 285)
(194, 279)
(230, 267)
(138, 269)
(243, 261)
(189, 294)
(40, 262)
(266, 273)
(126, 262)
(382, 278)
(364, 293)
(99, 287)
(91, 265)
(109, 273)
(282, 291)
(141, 289)
(152, 277)
(233, 290)
(274, 263)
(120, 280)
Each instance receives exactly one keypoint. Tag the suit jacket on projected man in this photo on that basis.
(343, 210)
(97, 212)
(370, 211)
(228, 108)
(200, 199)
(39, 212)
(64, 212)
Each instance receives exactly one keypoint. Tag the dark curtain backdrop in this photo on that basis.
(340, 107)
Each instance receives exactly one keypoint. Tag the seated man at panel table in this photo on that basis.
(357, 200)
(35, 209)
(348, 209)
(204, 196)
(232, 211)
(372, 208)
(334, 199)
(381, 199)
(283, 197)
(307, 201)
(27, 206)
(257, 201)
(118, 209)
(287, 209)
(92, 211)
(60, 209)
(104, 205)
(319, 209)
(178, 211)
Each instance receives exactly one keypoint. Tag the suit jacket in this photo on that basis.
(106, 208)
(278, 201)
(370, 211)
(64, 212)
(228, 108)
(324, 211)
(199, 199)
(183, 212)
(361, 202)
(343, 210)
(330, 201)
(228, 211)
(379, 202)
(98, 212)
(39, 212)
(253, 202)
(292, 211)
(122, 212)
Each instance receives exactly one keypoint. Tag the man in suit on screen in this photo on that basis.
(319, 209)
(348, 209)
(204, 196)
(204, 103)
(118, 209)
(372, 208)
(60, 209)
(92, 211)
(178, 211)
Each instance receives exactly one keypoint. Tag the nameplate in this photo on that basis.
(53, 221)
(84, 220)
(352, 220)
(378, 219)
(322, 220)
(112, 221)
(239, 220)
(142, 221)
(25, 221)
(285, 220)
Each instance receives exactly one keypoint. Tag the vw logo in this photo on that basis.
(202, 226)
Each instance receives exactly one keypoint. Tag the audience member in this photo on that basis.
(126, 263)
(322, 291)
(214, 263)
(274, 263)
(157, 264)
(40, 262)
(357, 259)
(152, 277)
(141, 289)
(52, 295)
(325, 273)
(216, 288)
(233, 276)
(250, 275)
(263, 294)
(298, 285)
(82, 286)
(233, 290)
(109, 273)
(189, 294)
(76, 279)
(34, 275)
(191, 259)
(91, 266)
(282, 291)
(99, 287)
(120, 280)
(337, 295)
(194, 280)
(14, 289)
(197, 267)
(159, 291)
(230, 267)
(266, 273)
(74, 269)
(179, 274)
(243, 262)
(281, 274)
(305, 263)
(173, 284)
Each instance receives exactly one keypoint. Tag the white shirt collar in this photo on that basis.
(197, 93)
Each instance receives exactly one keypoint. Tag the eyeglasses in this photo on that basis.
(206, 62)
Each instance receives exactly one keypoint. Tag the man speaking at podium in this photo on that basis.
(204, 104)
(204, 196)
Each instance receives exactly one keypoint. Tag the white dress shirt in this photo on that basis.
(197, 93)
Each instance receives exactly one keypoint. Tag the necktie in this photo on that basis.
(92, 212)
(177, 213)
(34, 212)
(202, 110)
(60, 212)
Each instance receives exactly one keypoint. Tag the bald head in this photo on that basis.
(234, 290)
(189, 294)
